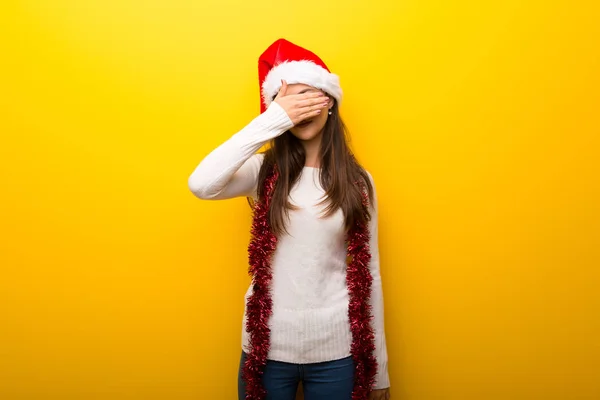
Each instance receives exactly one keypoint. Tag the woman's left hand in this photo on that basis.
(380, 394)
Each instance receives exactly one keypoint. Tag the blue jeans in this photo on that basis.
(331, 380)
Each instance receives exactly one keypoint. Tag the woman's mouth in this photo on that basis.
(304, 123)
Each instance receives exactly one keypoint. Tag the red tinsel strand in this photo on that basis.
(359, 281)
(259, 305)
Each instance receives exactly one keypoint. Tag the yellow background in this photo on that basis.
(479, 121)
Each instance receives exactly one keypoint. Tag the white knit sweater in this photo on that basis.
(310, 321)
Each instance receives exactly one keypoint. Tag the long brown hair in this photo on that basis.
(341, 176)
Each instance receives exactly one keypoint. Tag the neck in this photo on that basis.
(311, 150)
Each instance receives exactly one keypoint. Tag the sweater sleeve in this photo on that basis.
(382, 379)
(231, 170)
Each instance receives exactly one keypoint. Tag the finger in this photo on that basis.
(314, 102)
(305, 117)
(301, 97)
(282, 90)
(311, 113)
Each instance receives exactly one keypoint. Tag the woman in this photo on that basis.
(314, 310)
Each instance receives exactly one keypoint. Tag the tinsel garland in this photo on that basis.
(359, 282)
(259, 305)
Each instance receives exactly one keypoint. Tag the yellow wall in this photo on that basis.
(479, 120)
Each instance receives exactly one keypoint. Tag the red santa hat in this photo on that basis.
(294, 64)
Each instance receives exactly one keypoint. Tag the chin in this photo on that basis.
(305, 136)
(307, 132)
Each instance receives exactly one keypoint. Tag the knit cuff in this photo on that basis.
(382, 378)
(273, 121)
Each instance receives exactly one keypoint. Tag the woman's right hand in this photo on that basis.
(301, 106)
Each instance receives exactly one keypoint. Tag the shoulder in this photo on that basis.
(371, 179)
(255, 162)
(251, 169)
(363, 172)
(370, 176)
(258, 158)
(370, 187)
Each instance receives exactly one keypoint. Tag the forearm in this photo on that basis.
(218, 175)
(382, 379)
